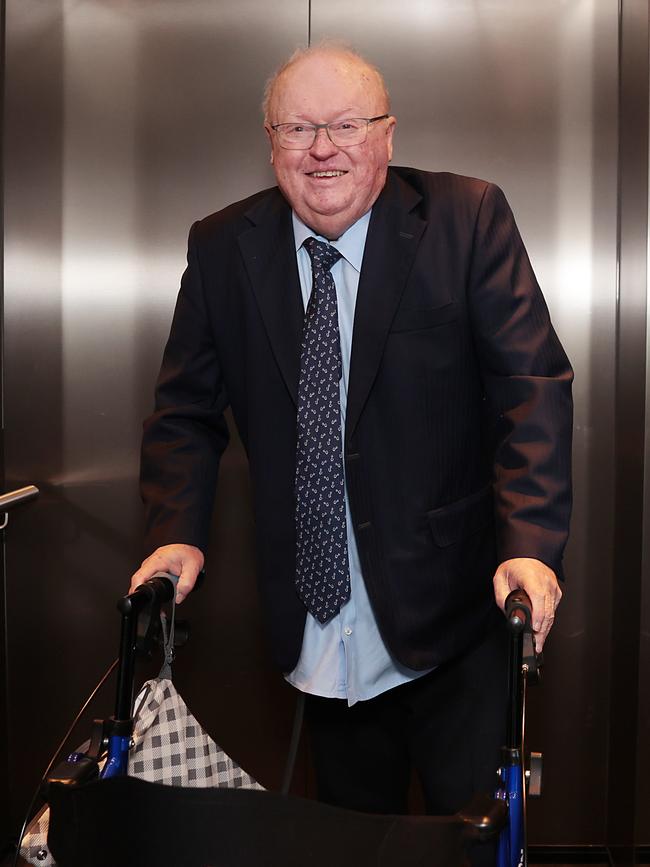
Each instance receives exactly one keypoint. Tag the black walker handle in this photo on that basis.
(524, 663)
(140, 612)
(518, 610)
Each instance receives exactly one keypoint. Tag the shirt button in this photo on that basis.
(347, 630)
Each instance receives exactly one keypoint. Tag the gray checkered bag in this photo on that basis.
(171, 747)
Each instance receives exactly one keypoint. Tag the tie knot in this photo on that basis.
(322, 255)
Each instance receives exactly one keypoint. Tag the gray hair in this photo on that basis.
(326, 46)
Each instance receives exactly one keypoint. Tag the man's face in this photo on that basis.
(330, 187)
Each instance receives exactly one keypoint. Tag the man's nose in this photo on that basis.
(323, 146)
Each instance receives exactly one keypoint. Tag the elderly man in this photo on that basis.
(406, 410)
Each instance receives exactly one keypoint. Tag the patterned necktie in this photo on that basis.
(322, 573)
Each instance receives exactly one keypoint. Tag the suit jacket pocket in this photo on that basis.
(451, 523)
(426, 317)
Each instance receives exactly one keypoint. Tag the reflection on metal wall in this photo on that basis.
(125, 122)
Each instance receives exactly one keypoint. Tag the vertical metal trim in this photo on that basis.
(618, 171)
(3, 63)
(642, 790)
(629, 426)
(4, 650)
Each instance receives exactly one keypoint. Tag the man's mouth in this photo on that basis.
(332, 173)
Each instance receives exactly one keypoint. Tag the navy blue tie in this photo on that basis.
(322, 572)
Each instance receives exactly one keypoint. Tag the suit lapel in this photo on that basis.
(393, 237)
(270, 258)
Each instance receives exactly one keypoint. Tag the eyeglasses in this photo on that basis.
(342, 133)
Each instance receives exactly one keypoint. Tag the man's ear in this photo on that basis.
(390, 129)
(267, 130)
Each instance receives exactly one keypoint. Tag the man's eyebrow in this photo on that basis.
(341, 115)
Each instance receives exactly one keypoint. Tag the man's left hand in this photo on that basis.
(541, 584)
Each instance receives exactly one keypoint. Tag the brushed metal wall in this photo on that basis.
(124, 123)
(116, 140)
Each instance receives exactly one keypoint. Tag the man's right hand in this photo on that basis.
(186, 561)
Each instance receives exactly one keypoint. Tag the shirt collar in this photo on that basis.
(350, 245)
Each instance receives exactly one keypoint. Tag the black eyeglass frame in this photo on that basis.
(326, 126)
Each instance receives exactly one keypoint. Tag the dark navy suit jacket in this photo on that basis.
(458, 431)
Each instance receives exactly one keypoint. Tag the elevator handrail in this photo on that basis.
(17, 497)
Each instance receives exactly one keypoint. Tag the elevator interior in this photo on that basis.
(115, 141)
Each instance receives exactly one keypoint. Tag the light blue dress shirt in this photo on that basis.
(345, 657)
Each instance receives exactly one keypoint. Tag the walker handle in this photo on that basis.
(518, 611)
(158, 589)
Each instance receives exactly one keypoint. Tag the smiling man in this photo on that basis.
(406, 410)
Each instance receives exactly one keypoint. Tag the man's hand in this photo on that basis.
(539, 581)
(186, 561)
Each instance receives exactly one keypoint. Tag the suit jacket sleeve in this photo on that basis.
(185, 437)
(527, 381)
